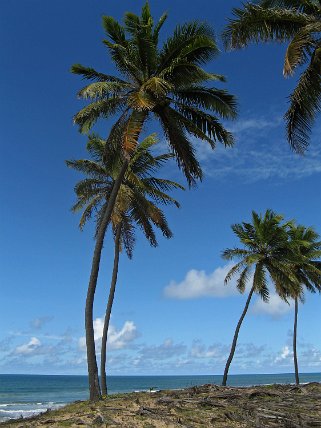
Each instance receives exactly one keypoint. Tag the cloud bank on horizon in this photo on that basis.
(128, 355)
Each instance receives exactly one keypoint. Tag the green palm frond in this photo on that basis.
(158, 27)
(88, 211)
(300, 48)
(260, 282)
(162, 184)
(231, 253)
(128, 235)
(255, 23)
(305, 6)
(194, 39)
(86, 166)
(102, 90)
(114, 31)
(212, 99)
(243, 279)
(305, 102)
(91, 74)
(233, 271)
(203, 125)
(180, 145)
(89, 115)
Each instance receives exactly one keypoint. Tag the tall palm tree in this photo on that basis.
(167, 82)
(266, 253)
(298, 23)
(135, 203)
(307, 271)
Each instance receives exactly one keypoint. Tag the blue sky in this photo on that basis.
(172, 313)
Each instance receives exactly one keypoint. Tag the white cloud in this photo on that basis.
(197, 283)
(165, 350)
(254, 124)
(120, 339)
(260, 153)
(276, 307)
(284, 356)
(28, 348)
(216, 351)
(117, 339)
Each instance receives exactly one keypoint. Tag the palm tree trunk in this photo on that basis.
(230, 358)
(296, 368)
(132, 132)
(94, 388)
(108, 312)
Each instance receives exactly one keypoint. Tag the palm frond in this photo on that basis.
(305, 103)
(102, 90)
(306, 6)
(243, 279)
(255, 23)
(91, 74)
(260, 282)
(114, 30)
(300, 48)
(231, 253)
(203, 125)
(233, 271)
(88, 211)
(128, 235)
(212, 99)
(195, 40)
(89, 115)
(158, 27)
(86, 166)
(181, 146)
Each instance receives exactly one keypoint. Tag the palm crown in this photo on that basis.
(138, 195)
(267, 251)
(167, 81)
(308, 268)
(297, 22)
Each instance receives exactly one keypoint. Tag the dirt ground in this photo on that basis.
(205, 406)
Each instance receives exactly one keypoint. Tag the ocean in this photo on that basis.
(27, 395)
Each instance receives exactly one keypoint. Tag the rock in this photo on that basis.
(99, 420)
(80, 422)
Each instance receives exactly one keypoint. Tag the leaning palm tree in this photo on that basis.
(135, 204)
(266, 253)
(307, 270)
(166, 82)
(298, 23)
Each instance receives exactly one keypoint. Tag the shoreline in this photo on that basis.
(207, 405)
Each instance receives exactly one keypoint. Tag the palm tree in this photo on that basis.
(166, 82)
(266, 253)
(135, 203)
(307, 271)
(297, 22)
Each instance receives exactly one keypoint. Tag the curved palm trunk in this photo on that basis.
(132, 132)
(94, 388)
(108, 312)
(296, 368)
(230, 358)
